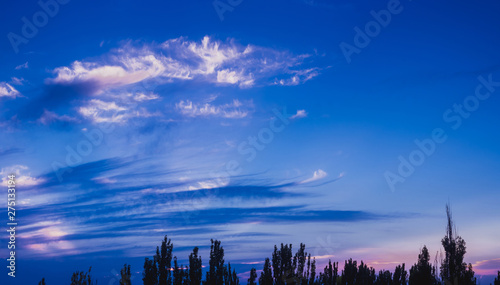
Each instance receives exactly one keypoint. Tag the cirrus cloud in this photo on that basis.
(209, 60)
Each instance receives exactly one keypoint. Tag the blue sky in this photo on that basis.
(128, 120)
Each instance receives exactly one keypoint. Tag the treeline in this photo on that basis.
(286, 268)
(159, 270)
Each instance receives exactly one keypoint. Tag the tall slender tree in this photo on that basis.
(277, 266)
(228, 277)
(453, 268)
(164, 260)
(235, 279)
(180, 274)
(400, 275)
(312, 275)
(330, 274)
(299, 264)
(253, 277)
(366, 275)
(42, 282)
(497, 279)
(283, 265)
(423, 273)
(350, 272)
(384, 278)
(150, 274)
(195, 269)
(82, 278)
(215, 273)
(125, 275)
(266, 276)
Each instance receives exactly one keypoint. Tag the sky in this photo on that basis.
(344, 125)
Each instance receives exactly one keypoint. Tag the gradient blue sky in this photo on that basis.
(177, 93)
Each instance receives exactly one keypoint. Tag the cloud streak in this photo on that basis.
(128, 205)
(217, 62)
(234, 110)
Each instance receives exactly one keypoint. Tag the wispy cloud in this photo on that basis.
(142, 96)
(125, 200)
(487, 267)
(50, 117)
(233, 110)
(22, 178)
(299, 114)
(297, 77)
(181, 59)
(100, 111)
(17, 81)
(22, 66)
(9, 151)
(317, 175)
(6, 90)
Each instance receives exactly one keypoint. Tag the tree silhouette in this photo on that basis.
(400, 275)
(497, 280)
(423, 273)
(453, 268)
(215, 274)
(312, 273)
(181, 275)
(366, 275)
(330, 274)
(195, 269)
(150, 274)
(230, 277)
(282, 265)
(164, 260)
(235, 279)
(125, 275)
(81, 278)
(384, 278)
(349, 273)
(299, 264)
(253, 277)
(299, 269)
(266, 276)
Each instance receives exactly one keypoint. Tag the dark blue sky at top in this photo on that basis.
(320, 181)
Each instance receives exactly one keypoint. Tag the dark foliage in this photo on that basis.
(82, 278)
(195, 269)
(286, 268)
(125, 275)
(453, 268)
(253, 277)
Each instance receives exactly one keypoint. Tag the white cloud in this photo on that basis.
(6, 90)
(104, 77)
(145, 97)
(104, 180)
(21, 66)
(232, 77)
(298, 77)
(50, 117)
(21, 178)
(17, 81)
(214, 54)
(100, 112)
(233, 110)
(317, 175)
(299, 114)
(180, 59)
